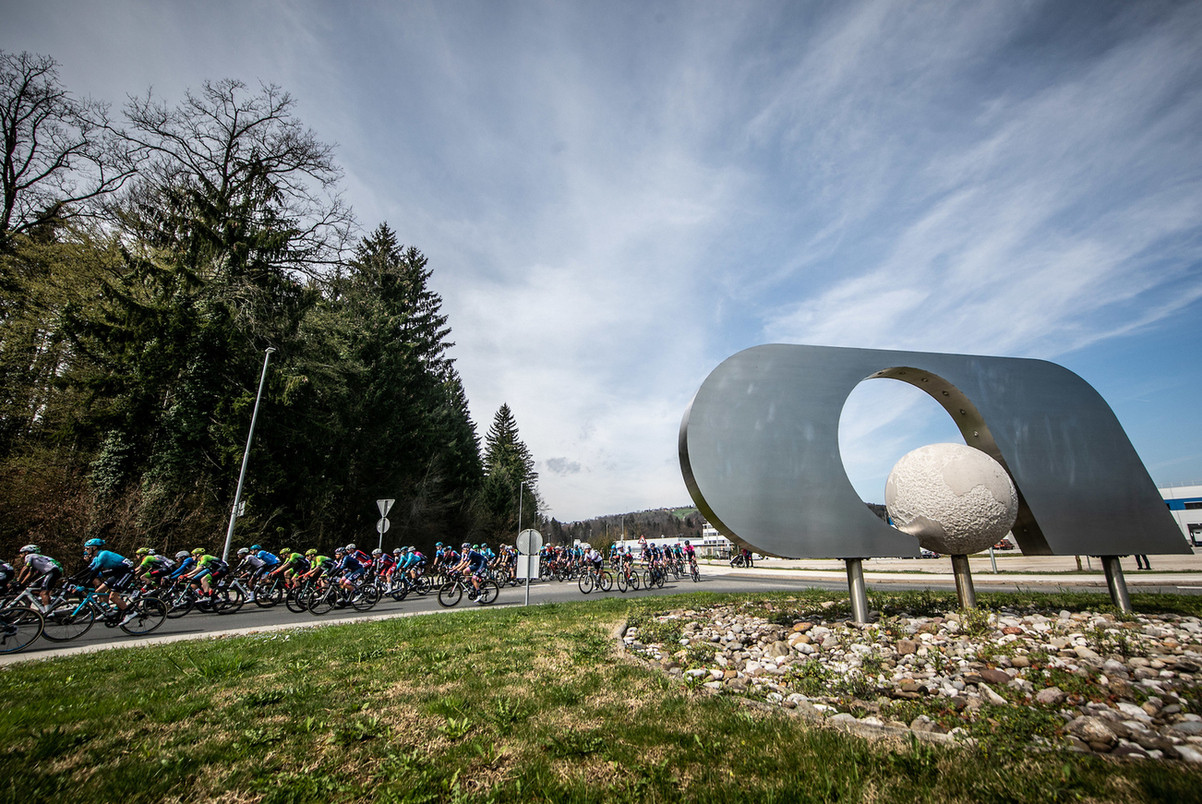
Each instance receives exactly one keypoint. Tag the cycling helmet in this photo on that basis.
(484, 545)
(340, 552)
(438, 544)
(29, 548)
(686, 542)
(199, 551)
(141, 551)
(150, 551)
(397, 551)
(377, 552)
(94, 543)
(243, 551)
(256, 547)
(285, 552)
(181, 555)
(466, 546)
(312, 551)
(350, 548)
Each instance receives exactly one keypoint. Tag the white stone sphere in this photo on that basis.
(955, 499)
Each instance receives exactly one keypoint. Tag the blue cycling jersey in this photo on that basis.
(476, 561)
(108, 561)
(270, 559)
(185, 566)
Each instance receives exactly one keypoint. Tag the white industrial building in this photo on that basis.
(1185, 504)
(712, 545)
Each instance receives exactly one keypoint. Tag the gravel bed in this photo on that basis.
(1092, 682)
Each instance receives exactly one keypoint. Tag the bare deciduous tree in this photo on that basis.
(58, 152)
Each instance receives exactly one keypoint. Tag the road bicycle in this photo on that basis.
(453, 590)
(361, 597)
(595, 578)
(68, 619)
(270, 590)
(694, 571)
(299, 596)
(654, 576)
(628, 578)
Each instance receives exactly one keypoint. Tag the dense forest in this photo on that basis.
(156, 266)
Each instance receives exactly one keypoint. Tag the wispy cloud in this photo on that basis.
(614, 199)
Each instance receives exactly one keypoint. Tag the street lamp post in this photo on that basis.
(229, 534)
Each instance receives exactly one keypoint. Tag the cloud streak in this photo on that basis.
(614, 199)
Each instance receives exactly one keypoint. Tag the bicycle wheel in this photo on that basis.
(696, 574)
(150, 611)
(586, 583)
(450, 593)
(648, 579)
(269, 592)
(365, 597)
(297, 600)
(18, 627)
(423, 585)
(605, 581)
(230, 599)
(68, 621)
(488, 592)
(622, 585)
(179, 603)
(320, 602)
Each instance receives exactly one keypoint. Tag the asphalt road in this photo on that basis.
(716, 579)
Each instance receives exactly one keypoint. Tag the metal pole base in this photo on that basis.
(964, 591)
(1116, 583)
(857, 589)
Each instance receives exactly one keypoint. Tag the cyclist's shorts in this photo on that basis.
(118, 581)
(50, 579)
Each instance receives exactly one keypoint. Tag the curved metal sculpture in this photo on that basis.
(759, 450)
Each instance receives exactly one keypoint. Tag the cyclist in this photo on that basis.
(207, 567)
(382, 564)
(184, 563)
(153, 566)
(295, 565)
(352, 569)
(320, 567)
(41, 570)
(363, 558)
(415, 562)
(473, 562)
(270, 561)
(112, 572)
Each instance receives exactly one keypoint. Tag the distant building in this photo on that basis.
(1185, 504)
(712, 545)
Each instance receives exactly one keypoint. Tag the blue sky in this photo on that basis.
(617, 196)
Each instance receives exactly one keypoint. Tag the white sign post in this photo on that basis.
(530, 541)
(382, 526)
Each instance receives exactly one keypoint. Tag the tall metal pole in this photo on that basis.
(521, 488)
(229, 534)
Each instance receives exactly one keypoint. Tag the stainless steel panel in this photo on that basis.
(759, 452)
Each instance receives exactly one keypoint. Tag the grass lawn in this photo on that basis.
(505, 704)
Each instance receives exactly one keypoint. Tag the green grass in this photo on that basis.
(509, 704)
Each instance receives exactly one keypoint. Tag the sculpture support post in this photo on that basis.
(1116, 584)
(857, 590)
(964, 591)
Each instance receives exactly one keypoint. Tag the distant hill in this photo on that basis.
(602, 531)
(654, 523)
